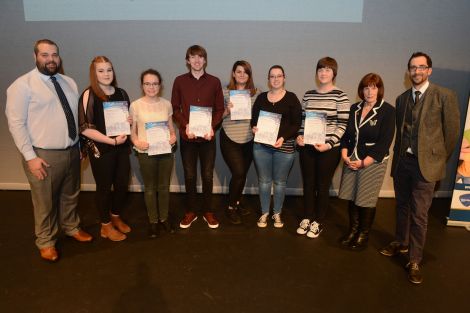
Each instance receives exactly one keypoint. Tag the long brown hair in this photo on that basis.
(232, 85)
(94, 85)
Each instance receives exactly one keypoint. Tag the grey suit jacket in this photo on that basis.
(438, 132)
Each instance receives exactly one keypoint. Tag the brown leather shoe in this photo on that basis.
(414, 274)
(119, 224)
(108, 231)
(49, 254)
(394, 248)
(82, 236)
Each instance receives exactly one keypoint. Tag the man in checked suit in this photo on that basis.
(428, 126)
(42, 117)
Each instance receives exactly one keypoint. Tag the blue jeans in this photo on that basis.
(272, 166)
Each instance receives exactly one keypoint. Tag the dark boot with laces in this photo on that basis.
(154, 230)
(233, 216)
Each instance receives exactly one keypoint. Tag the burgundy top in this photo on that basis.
(205, 91)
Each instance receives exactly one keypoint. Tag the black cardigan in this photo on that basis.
(290, 109)
(374, 135)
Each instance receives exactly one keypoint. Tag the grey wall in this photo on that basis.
(382, 43)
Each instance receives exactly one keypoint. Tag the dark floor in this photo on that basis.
(231, 269)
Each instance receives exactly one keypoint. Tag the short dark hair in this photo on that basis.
(196, 50)
(420, 54)
(46, 41)
(151, 71)
(328, 62)
(371, 79)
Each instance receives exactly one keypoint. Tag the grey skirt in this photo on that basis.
(363, 186)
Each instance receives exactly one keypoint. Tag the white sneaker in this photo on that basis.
(314, 230)
(277, 220)
(303, 227)
(263, 220)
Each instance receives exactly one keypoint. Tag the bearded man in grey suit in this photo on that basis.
(428, 126)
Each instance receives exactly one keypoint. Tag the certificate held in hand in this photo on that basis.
(268, 127)
(158, 138)
(241, 102)
(200, 120)
(314, 127)
(115, 118)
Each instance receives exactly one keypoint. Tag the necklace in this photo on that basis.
(275, 97)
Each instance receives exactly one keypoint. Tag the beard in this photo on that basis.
(49, 68)
(418, 79)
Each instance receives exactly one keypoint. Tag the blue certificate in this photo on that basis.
(268, 127)
(241, 102)
(115, 118)
(314, 127)
(200, 120)
(158, 138)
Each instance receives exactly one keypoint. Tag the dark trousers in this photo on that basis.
(190, 153)
(317, 169)
(414, 197)
(238, 158)
(156, 173)
(111, 171)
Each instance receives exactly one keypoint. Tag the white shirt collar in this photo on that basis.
(422, 89)
(45, 77)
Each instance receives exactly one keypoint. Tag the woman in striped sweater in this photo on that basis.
(236, 140)
(319, 161)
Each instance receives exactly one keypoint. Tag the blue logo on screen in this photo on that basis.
(465, 199)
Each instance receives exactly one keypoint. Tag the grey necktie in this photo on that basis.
(65, 105)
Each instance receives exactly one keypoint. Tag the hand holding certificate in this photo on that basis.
(268, 127)
(314, 128)
(241, 102)
(158, 138)
(115, 116)
(200, 120)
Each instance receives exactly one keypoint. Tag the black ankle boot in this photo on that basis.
(233, 216)
(353, 224)
(366, 218)
(154, 230)
(167, 226)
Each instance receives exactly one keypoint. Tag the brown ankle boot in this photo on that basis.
(119, 224)
(108, 231)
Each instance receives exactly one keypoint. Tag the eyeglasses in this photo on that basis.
(274, 77)
(420, 68)
(151, 84)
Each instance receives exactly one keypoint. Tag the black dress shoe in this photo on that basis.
(394, 248)
(242, 210)
(167, 226)
(233, 216)
(154, 230)
(414, 274)
(348, 239)
(360, 242)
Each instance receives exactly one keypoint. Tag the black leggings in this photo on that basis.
(238, 158)
(318, 169)
(111, 169)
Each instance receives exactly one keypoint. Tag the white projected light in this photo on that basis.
(201, 10)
